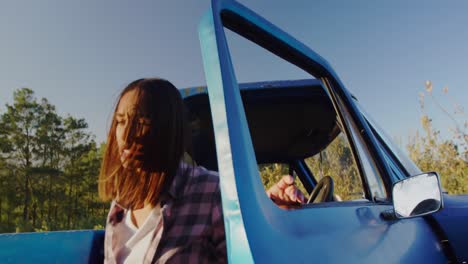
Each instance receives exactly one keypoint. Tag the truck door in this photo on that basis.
(256, 229)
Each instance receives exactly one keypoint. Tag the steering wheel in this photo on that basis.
(323, 191)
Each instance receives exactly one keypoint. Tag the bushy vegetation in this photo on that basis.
(338, 163)
(448, 157)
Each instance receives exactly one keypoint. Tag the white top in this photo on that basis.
(140, 238)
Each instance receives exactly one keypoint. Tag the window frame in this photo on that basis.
(365, 162)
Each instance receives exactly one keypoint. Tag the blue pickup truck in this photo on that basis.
(398, 215)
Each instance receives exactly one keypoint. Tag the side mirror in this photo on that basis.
(417, 195)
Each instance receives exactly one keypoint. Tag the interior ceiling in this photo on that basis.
(285, 124)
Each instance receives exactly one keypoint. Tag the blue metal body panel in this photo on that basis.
(238, 249)
(53, 247)
(454, 222)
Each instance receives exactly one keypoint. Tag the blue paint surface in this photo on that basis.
(214, 57)
(454, 222)
(53, 247)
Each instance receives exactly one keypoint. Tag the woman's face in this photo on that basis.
(125, 110)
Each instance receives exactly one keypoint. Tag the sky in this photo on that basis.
(79, 55)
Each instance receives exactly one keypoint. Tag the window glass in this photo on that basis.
(337, 161)
(374, 181)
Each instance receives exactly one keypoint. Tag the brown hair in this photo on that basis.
(158, 128)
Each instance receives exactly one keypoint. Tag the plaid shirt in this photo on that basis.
(191, 229)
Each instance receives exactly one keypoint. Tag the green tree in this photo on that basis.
(49, 139)
(77, 144)
(20, 123)
(49, 167)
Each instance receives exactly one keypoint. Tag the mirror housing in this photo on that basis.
(417, 195)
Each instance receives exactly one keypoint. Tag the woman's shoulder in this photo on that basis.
(202, 178)
(196, 189)
(193, 180)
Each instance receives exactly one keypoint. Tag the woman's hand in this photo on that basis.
(286, 194)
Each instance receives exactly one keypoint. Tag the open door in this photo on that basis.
(256, 229)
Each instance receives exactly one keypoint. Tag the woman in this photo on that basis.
(163, 209)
